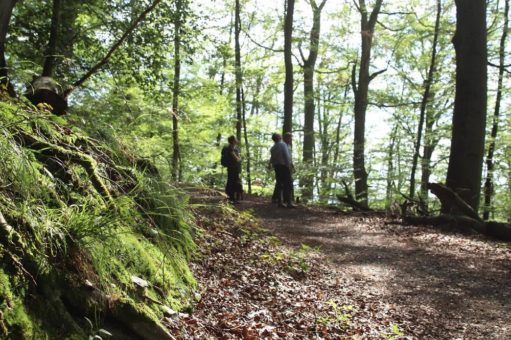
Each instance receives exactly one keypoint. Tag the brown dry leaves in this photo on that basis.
(369, 279)
(253, 287)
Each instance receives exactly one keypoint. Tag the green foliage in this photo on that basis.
(62, 219)
(340, 315)
(394, 333)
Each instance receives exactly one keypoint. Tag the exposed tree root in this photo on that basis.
(450, 199)
(87, 162)
(500, 231)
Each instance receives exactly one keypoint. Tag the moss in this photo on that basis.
(127, 255)
(15, 322)
(54, 182)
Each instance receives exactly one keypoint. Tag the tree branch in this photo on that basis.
(261, 45)
(375, 74)
(105, 59)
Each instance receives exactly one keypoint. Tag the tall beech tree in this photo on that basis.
(488, 184)
(309, 64)
(469, 119)
(361, 90)
(288, 61)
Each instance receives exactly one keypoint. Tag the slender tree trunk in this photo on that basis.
(425, 98)
(6, 7)
(338, 132)
(488, 185)
(178, 17)
(361, 90)
(309, 65)
(51, 51)
(224, 58)
(237, 69)
(254, 109)
(288, 85)
(247, 145)
(427, 153)
(391, 175)
(469, 118)
(325, 180)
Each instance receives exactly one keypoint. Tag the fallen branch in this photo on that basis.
(352, 202)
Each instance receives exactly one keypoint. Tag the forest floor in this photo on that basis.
(360, 276)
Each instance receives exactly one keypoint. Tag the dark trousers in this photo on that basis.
(284, 184)
(233, 185)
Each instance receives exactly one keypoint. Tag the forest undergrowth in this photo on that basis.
(92, 241)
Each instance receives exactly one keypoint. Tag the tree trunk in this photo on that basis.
(254, 109)
(224, 58)
(390, 168)
(68, 32)
(324, 180)
(51, 51)
(361, 99)
(488, 185)
(237, 69)
(309, 65)
(469, 118)
(288, 85)
(178, 17)
(427, 153)
(247, 145)
(338, 132)
(6, 7)
(425, 98)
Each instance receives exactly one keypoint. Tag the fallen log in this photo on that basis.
(357, 206)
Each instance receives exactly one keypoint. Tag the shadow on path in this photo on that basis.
(458, 284)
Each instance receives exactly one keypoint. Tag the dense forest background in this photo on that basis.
(172, 79)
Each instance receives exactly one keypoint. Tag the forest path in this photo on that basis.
(449, 284)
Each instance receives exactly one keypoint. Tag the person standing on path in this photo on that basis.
(281, 162)
(231, 158)
(288, 140)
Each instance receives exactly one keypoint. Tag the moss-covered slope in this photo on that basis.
(92, 242)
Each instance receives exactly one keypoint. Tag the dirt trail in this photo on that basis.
(449, 284)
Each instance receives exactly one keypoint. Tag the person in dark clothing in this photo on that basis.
(288, 140)
(281, 162)
(233, 188)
